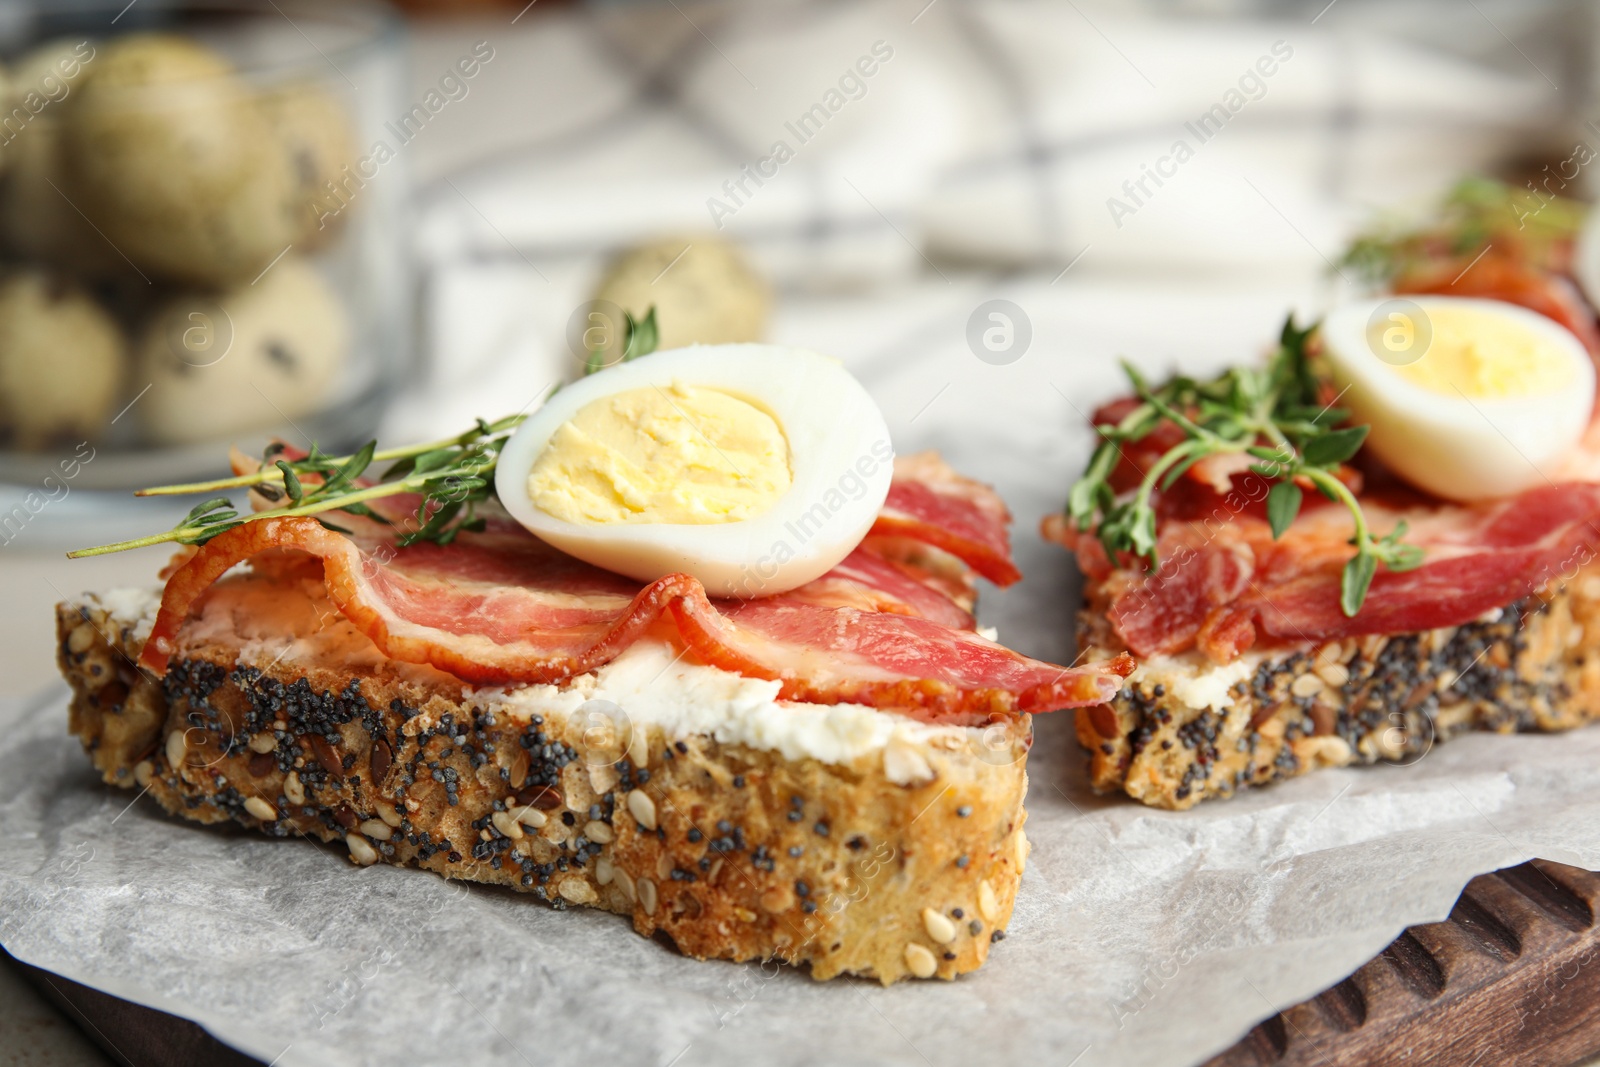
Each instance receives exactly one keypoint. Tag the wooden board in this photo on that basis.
(1511, 978)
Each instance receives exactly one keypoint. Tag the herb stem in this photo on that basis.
(451, 476)
(333, 503)
(1334, 487)
(268, 473)
(1167, 410)
(123, 546)
(1272, 415)
(1158, 469)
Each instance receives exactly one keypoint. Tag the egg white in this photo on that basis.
(1454, 447)
(839, 454)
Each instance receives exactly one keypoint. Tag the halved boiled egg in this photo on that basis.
(1468, 399)
(754, 468)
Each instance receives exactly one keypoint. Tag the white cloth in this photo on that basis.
(992, 135)
(997, 131)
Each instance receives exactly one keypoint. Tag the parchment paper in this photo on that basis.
(1140, 937)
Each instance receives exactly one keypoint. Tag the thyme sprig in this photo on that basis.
(1530, 223)
(1273, 415)
(453, 476)
(639, 338)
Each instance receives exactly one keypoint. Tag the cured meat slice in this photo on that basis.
(499, 606)
(503, 608)
(932, 503)
(1225, 589)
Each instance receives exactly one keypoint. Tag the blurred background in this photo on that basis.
(227, 220)
(223, 221)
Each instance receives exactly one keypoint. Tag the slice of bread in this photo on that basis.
(847, 839)
(1184, 729)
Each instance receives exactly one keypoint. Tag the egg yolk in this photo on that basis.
(1486, 356)
(675, 454)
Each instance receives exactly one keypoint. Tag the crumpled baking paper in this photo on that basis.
(1140, 937)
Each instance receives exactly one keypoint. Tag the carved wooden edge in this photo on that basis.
(1512, 977)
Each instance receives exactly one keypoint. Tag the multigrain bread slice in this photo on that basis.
(1184, 729)
(859, 843)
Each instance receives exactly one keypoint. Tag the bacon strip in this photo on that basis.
(932, 503)
(490, 613)
(866, 581)
(1226, 588)
(1479, 560)
(501, 607)
(887, 660)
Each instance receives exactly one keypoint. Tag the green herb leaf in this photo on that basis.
(454, 475)
(1355, 582)
(203, 534)
(1283, 505)
(1334, 447)
(1274, 415)
(640, 337)
(346, 474)
(291, 483)
(398, 469)
(643, 336)
(429, 461)
(209, 506)
(1404, 557)
(1396, 555)
(1142, 534)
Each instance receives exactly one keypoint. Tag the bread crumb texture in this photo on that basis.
(730, 851)
(1183, 729)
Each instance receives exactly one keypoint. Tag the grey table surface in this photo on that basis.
(33, 1031)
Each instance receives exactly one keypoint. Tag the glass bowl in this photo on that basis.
(202, 236)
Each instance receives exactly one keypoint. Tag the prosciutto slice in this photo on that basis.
(1223, 588)
(932, 503)
(501, 607)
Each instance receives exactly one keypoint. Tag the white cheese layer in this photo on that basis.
(649, 684)
(1194, 680)
(133, 608)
